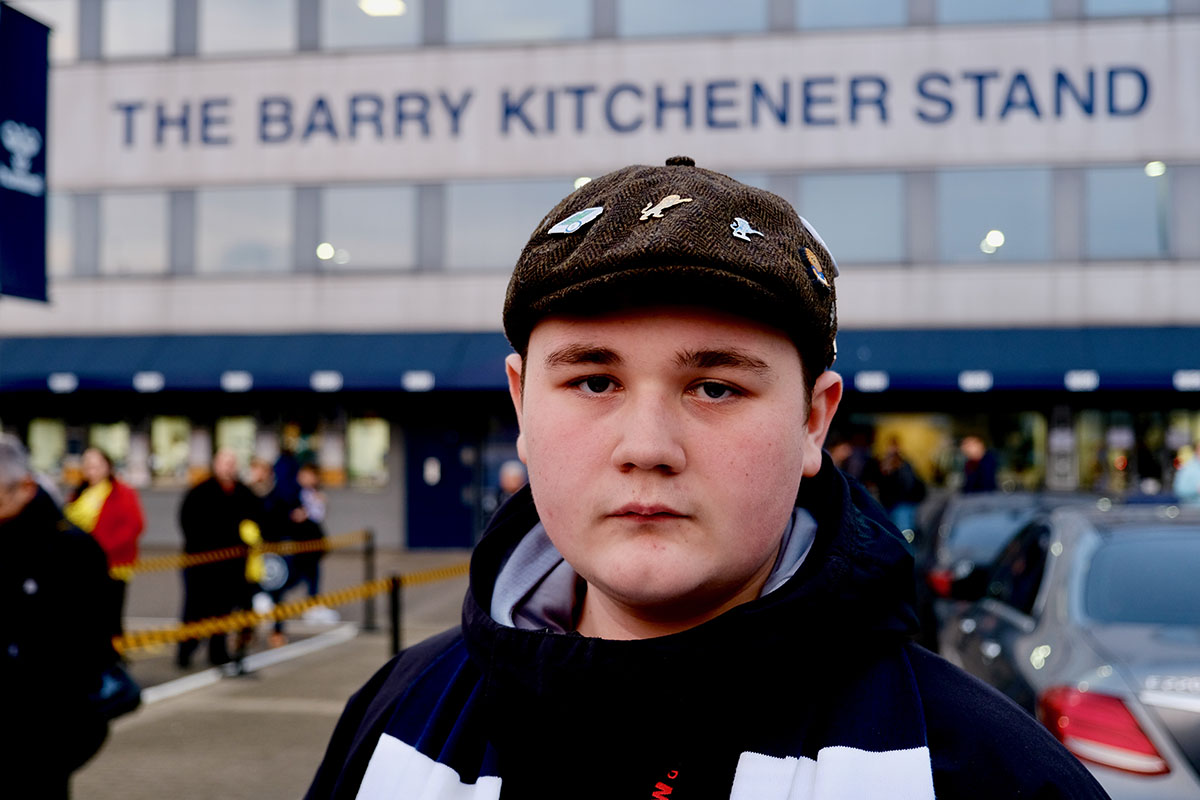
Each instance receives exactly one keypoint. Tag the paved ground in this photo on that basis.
(259, 736)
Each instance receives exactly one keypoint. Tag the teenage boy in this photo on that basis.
(689, 600)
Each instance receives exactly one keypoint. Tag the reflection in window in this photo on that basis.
(62, 16)
(502, 216)
(527, 21)
(370, 23)
(368, 227)
(170, 443)
(368, 442)
(996, 214)
(859, 14)
(243, 230)
(60, 231)
(238, 435)
(133, 232)
(860, 216)
(975, 11)
(235, 26)
(1127, 212)
(136, 28)
(689, 17)
(1113, 8)
(47, 445)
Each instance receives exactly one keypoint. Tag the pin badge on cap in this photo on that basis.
(742, 229)
(577, 220)
(657, 210)
(814, 266)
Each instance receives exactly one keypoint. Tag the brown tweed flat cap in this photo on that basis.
(683, 235)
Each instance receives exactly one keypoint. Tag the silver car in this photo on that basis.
(1090, 619)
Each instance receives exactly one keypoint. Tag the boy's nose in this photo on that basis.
(649, 436)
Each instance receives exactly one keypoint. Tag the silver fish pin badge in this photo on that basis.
(656, 210)
(742, 229)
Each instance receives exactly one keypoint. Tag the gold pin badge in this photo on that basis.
(657, 210)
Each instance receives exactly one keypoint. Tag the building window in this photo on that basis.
(994, 215)
(170, 445)
(1117, 8)
(236, 26)
(133, 28)
(469, 21)
(368, 227)
(860, 216)
(47, 445)
(952, 11)
(133, 233)
(244, 230)
(112, 439)
(60, 233)
(1126, 215)
(814, 14)
(689, 17)
(370, 23)
(501, 216)
(62, 16)
(368, 442)
(239, 435)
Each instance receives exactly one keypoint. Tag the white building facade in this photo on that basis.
(294, 220)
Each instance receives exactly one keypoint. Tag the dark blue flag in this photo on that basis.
(24, 69)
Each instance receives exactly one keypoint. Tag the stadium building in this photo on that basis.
(291, 223)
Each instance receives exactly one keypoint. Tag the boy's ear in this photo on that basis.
(512, 368)
(826, 395)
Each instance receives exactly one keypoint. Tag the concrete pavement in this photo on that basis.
(262, 735)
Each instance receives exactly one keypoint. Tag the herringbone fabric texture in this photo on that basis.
(648, 248)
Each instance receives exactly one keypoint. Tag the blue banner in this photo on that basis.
(24, 69)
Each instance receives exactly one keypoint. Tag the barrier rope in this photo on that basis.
(183, 560)
(215, 626)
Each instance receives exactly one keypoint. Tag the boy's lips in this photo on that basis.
(648, 512)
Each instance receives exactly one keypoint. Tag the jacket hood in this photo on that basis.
(854, 590)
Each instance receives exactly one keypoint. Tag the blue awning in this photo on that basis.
(1081, 359)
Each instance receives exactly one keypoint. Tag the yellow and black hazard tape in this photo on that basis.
(215, 626)
(183, 560)
(435, 574)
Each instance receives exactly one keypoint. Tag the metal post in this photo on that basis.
(396, 611)
(369, 577)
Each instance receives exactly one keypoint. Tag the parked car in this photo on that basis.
(960, 539)
(1090, 619)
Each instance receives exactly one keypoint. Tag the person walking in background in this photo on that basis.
(213, 516)
(979, 468)
(111, 512)
(896, 486)
(277, 526)
(58, 641)
(309, 526)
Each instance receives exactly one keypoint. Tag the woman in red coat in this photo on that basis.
(110, 511)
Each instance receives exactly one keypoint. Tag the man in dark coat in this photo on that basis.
(211, 516)
(56, 632)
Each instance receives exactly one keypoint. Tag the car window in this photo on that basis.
(1122, 569)
(1018, 573)
(978, 537)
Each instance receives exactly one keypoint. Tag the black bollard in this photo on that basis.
(396, 611)
(369, 577)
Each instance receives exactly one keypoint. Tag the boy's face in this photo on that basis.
(665, 447)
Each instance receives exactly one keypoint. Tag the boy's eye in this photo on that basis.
(596, 384)
(716, 391)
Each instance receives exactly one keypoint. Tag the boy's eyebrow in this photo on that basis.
(581, 354)
(710, 359)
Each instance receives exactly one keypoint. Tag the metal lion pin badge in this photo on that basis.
(657, 210)
(742, 229)
(577, 220)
